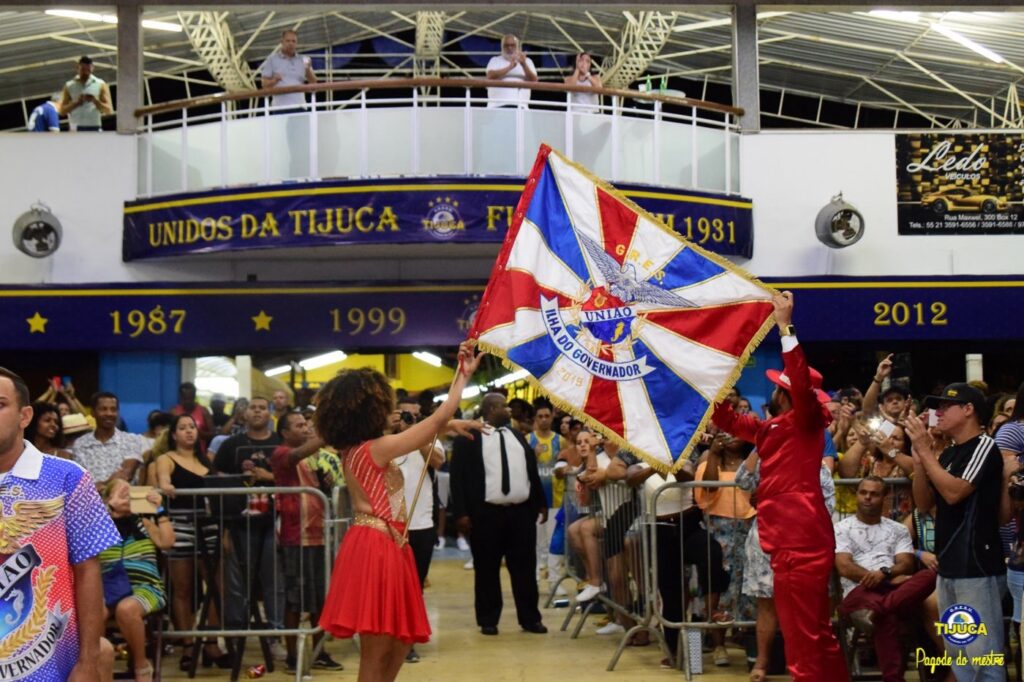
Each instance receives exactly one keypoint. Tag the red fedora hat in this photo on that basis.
(780, 379)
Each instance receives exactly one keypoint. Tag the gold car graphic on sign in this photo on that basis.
(962, 199)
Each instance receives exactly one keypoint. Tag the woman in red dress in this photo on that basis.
(375, 591)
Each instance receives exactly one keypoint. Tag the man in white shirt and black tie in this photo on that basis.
(497, 500)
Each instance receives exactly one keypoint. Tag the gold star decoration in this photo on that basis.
(262, 322)
(37, 323)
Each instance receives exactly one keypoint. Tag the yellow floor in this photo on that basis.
(458, 652)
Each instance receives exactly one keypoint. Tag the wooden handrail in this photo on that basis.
(391, 83)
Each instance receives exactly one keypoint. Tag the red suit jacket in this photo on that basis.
(790, 504)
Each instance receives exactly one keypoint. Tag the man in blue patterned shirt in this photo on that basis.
(52, 527)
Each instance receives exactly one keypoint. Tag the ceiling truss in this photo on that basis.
(213, 41)
(644, 36)
(426, 61)
(918, 74)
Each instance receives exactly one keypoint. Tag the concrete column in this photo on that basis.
(129, 66)
(188, 369)
(243, 363)
(746, 86)
(975, 367)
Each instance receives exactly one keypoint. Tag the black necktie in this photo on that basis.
(506, 485)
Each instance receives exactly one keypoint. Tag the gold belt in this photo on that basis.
(380, 524)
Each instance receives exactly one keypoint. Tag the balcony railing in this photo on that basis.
(430, 127)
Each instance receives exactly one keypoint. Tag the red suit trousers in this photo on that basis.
(802, 604)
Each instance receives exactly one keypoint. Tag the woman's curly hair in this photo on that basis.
(353, 407)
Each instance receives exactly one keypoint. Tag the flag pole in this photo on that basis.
(419, 488)
(423, 475)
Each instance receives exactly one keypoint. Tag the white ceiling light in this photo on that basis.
(714, 23)
(161, 25)
(428, 358)
(318, 361)
(968, 43)
(892, 15)
(274, 371)
(510, 378)
(467, 393)
(111, 19)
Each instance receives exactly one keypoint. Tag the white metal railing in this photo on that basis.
(632, 137)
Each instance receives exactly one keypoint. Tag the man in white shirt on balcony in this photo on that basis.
(511, 65)
(284, 68)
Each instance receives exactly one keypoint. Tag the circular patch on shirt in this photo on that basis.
(960, 625)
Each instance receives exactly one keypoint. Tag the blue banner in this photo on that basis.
(393, 211)
(245, 318)
(906, 308)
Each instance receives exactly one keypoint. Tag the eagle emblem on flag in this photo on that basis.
(617, 318)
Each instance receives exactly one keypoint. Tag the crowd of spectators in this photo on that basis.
(934, 519)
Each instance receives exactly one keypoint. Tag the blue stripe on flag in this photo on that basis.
(688, 267)
(536, 357)
(547, 212)
(677, 405)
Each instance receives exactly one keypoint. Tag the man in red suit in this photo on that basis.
(795, 527)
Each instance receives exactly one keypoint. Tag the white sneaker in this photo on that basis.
(278, 651)
(439, 544)
(462, 544)
(468, 565)
(588, 593)
(611, 628)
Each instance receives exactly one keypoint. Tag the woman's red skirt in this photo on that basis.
(375, 590)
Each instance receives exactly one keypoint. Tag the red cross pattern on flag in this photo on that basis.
(620, 320)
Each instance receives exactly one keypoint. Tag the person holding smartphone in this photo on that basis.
(86, 99)
(582, 77)
(284, 67)
(132, 585)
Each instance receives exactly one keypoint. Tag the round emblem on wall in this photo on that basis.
(37, 232)
(839, 224)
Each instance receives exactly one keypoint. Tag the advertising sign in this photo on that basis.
(951, 183)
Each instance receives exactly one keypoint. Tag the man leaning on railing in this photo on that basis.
(284, 67)
(510, 65)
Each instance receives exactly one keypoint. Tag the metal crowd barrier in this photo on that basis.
(570, 568)
(628, 528)
(683, 653)
(684, 626)
(223, 525)
(623, 535)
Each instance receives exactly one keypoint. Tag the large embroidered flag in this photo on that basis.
(617, 318)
